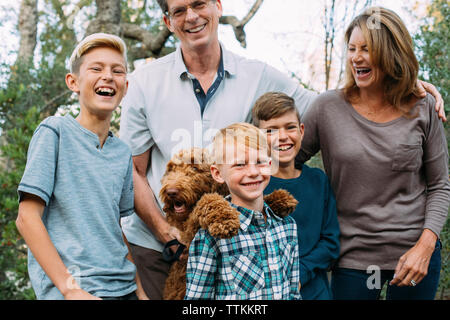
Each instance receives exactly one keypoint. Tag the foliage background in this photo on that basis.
(36, 89)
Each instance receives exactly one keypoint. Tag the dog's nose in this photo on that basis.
(172, 192)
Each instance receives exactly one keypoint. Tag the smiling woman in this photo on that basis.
(385, 152)
(380, 53)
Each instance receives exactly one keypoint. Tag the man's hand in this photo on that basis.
(425, 87)
(174, 233)
(140, 293)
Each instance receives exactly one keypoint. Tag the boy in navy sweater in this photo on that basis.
(316, 217)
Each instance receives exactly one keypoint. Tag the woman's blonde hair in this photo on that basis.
(96, 40)
(391, 50)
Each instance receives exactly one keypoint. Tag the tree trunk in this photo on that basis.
(107, 19)
(28, 19)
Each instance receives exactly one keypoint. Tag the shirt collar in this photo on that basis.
(248, 216)
(227, 63)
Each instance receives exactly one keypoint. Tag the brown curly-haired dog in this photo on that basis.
(186, 180)
(193, 199)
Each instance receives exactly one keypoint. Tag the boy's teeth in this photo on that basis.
(284, 148)
(105, 91)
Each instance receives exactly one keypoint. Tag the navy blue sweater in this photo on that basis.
(318, 228)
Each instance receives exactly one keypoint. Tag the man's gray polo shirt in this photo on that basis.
(161, 111)
(86, 189)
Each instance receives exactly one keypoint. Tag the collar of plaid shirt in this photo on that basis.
(247, 216)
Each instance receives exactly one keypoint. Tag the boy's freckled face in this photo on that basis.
(101, 81)
(284, 136)
(246, 173)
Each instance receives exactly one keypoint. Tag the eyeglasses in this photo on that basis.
(196, 6)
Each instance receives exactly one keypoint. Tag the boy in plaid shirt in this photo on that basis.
(261, 261)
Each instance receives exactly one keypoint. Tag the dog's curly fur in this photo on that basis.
(193, 199)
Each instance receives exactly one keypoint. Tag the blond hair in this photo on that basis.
(238, 135)
(273, 105)
(96, 40)
(391, 50)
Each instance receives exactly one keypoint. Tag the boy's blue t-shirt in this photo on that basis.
(318, 228)
(86, 189)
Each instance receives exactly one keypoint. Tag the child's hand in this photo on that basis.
(79, 294)
(141, 294)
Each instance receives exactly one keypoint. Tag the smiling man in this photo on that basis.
(198, 88)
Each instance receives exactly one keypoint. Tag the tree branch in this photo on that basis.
(238, 25)
(150, 42)
(252, 12)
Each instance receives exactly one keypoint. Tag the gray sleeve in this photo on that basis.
(435, 161)
(134, 129)
(39, 175)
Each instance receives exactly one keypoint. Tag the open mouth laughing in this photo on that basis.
(362, 72)
(105, 91)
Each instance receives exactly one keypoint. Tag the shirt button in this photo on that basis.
(197, 90)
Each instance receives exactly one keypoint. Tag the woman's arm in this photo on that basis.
(413, 265)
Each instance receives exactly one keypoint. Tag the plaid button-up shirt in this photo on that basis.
(260, 262)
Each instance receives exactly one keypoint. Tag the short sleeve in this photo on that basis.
(134, 129)
(39, 175)
(281, 82)
(126, 204)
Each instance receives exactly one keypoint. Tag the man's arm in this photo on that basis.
(30, 225)
(425, 87)
(145, 203)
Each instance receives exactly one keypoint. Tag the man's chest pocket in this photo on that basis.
(407, 157)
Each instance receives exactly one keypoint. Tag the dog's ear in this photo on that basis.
(216, 215)
(220, 188)
(281, 202)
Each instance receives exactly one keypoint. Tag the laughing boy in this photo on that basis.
(78, 183)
